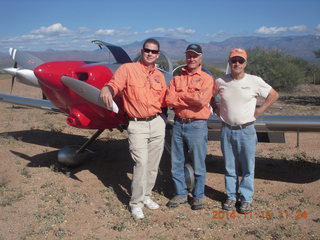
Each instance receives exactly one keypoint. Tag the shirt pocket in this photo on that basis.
(195, 85)
(136, 91)
(157, 92)
(180, 86)
(156, 86)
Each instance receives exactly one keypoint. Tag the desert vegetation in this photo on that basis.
(40, 199)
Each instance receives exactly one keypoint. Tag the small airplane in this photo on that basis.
(73, 87)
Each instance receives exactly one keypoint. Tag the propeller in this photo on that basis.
(25, 59)
(26, 76)
(87, 91)
(24, 73)
(13, 77)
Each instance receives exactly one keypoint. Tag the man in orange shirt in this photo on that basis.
(189, 94)
(143, 89)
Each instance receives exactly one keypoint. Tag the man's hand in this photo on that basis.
(106, 96)
(272, 97)
(258, 112)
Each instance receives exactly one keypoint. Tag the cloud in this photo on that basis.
(156, 30)
(116, 32)
(299, 28)
(56, 28)
(23, 38)
(271, 30)
(317, 30)
(55, 36)
(106, 32)
(84, 30)
(217, 35)
(172, 32)
(277, 30)
(58, 37)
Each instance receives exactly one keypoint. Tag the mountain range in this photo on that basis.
(299, 46)
(214, 52)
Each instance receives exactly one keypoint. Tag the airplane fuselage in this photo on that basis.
(81, 113)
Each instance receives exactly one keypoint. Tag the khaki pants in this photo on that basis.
(146, 143)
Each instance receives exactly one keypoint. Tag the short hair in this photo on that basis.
(151, 40)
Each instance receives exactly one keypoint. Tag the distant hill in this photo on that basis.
(214, 52)
(299, 46)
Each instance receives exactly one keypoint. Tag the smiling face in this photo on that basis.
(237, 66)
(149, 54)
(193, 60)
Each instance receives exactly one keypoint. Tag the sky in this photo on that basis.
(37, 25)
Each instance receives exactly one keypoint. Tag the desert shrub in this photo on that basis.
(280, 70)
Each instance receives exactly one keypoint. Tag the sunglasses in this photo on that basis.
(239, 60)
(147, 50)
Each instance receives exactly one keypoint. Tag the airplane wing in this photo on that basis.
(303, 123)
(29, 102)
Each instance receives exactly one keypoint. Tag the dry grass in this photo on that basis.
(41, 200)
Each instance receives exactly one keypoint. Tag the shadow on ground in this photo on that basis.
(113, 165)
(274, 169)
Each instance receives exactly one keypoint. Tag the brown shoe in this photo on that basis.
(198, 203)
(176, 201)
(229, 204)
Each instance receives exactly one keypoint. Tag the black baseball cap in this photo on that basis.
(194, 48)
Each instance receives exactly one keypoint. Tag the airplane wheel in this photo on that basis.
(70, 156)
(189, 176)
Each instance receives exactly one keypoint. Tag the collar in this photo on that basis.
(198, 70)
(147, 69)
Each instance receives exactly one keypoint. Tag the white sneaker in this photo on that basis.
(151, 204)
(137, 213)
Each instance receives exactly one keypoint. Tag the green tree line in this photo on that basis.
(280, 70)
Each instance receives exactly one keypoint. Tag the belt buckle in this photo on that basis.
(237, 127)
(151, 117)
(185, 120)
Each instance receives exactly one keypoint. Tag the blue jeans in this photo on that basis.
(189, 138)
(239, 148)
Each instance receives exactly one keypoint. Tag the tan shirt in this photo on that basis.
(239, 97)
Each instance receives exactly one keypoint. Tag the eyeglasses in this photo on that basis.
(192, 55)
(239, 60)
(147, 50)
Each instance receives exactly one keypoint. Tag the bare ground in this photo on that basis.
(41, 200)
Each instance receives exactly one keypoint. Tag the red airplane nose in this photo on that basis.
(49, 74)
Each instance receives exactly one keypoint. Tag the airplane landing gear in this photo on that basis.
(189, 176)
(71, 156)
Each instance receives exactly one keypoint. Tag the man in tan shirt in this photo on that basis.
(238, 112)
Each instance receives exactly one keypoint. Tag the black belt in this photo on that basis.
(185, 120)
(238, 127)
(143, 119)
